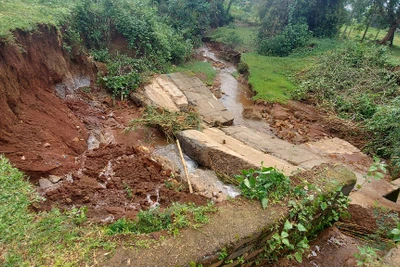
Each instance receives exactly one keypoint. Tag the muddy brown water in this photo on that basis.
(236, 96)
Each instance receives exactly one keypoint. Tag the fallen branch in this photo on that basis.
(184, 166)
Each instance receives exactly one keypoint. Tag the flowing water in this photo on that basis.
(236, 96)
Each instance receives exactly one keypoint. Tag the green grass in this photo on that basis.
(204, 70)
(43, 239)
(272, 78)
(27, 14)
(245, 40)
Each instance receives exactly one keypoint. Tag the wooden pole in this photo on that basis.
(184, 166)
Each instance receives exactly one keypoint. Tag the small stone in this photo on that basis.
(215, 194)
(47, 145)
(45, 183)
(68, 200)
(23, 158)
(54, 179)
(78, 127)
(76, 139)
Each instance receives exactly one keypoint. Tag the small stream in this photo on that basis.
(236, 96)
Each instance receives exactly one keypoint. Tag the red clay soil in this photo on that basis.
(38, 133)
(44, 135)
(116, 181)
(298, 123)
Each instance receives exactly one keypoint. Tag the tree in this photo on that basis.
(390, 10)
(323, 17)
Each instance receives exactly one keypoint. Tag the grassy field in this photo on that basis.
(272, 78)
(26, 14)
(239, 37)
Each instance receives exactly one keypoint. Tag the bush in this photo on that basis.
(385, 127)
(356, 81)
(123, 75)
(293, 36)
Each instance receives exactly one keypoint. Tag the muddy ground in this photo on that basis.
(120, 177)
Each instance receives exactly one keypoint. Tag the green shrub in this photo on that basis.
(264, 184)
(356, 81)
(293, 36)
(385, 127)
(123, 75)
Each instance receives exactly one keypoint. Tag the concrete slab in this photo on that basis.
(293, 154)
(211, 110)
(214, 149)
(331, 146)
(158, 97)
(173, 91)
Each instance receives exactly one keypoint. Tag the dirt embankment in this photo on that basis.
(38, 133)
(48, 121)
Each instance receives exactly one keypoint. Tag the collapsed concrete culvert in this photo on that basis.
(216, 150)
(176, 92)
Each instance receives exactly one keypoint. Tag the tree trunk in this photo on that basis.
(377, 33)
(366, 29)
(390, 35)
(229, 7)
(349, 22)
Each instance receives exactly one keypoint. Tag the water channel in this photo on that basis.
(236, 97)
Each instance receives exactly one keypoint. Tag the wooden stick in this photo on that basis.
(184, 166)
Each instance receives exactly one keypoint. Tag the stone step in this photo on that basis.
(214, 149)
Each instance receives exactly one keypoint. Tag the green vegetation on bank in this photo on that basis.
(311, 209)
(46, 238)
(27, 14)
(173, 219)
(272, 78)
(236, 37)
(358, 83)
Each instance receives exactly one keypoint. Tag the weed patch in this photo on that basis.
(170, 123)
(173, 219)
(357, 82)
(310, 209)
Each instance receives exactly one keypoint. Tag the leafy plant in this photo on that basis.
(264, 184)
(376, 171)
(395, 233)
(367, 257)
